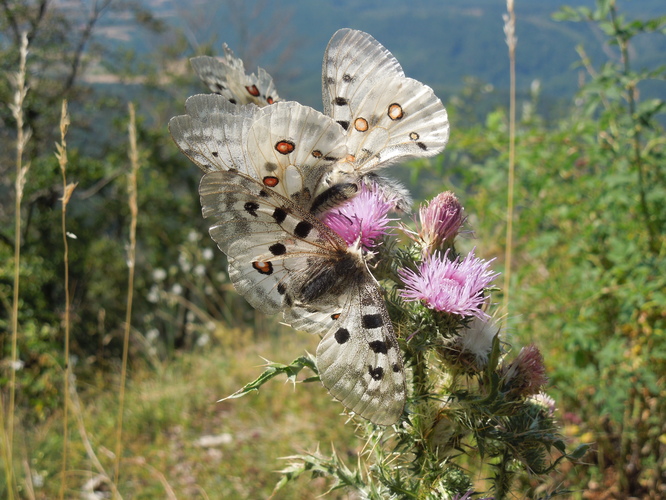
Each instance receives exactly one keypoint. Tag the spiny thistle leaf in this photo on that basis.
(274, 369)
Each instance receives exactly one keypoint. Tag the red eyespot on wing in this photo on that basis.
(253, 91)
(263, 267)
(269, 100)
(335, 316)
(285, 147)
(271, 181)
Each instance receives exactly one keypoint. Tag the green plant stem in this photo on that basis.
(503, 477)
(623, 43)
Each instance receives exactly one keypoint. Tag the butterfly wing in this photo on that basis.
(290, 148)
(359, 359)
(387, 116)
(293, 149)
(267, 238)
(226, 76)
(281, 258)
(213, 133)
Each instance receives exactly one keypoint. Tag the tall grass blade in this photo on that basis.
(22, 137)
(67, 190)
(511, 41)
(131, 258)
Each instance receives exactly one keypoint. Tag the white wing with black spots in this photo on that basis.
(268, 239)
(289, 148)
(387, 116)
(359, 358)
(271, 170)
(282, 258)
(213, 133)
(226, 76)
(293, 149)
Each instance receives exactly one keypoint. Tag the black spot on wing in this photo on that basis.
(251, 208)
(376, 373)
(302, 229)
(342, 335)
(280, 214)
(277, 249)
(379, 347)
(372, 320)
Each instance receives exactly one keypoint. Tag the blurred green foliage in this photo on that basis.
(589, 244)
(589, 279)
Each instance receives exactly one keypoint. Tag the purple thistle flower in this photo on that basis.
(363, 218)
(455, 287)
(526, 374)
(441, 220)
(391, 191)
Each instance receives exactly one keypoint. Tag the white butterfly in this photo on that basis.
(271, 171)
(226, 76)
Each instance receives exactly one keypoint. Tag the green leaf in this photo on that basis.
(579, 452)
(648, 109)
(274, 369)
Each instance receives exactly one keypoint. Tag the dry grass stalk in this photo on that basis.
(131, 258)
(67, 190)
(22, 137)
(511, 41)
(78, 413)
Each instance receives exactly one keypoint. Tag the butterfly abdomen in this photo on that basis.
(329, 277)
(333, 196)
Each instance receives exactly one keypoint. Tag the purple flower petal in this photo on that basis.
(363, 218)
(454, 287)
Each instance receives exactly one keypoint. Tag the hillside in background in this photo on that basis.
(437, 42)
